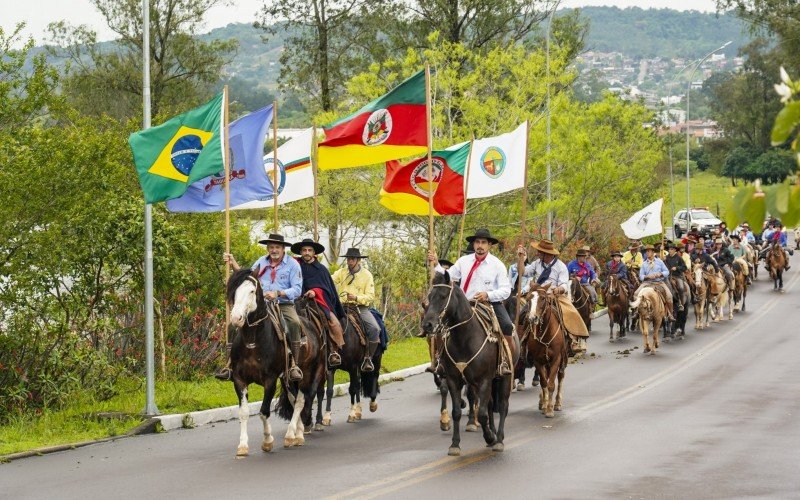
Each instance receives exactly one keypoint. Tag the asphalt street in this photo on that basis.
(712, 416)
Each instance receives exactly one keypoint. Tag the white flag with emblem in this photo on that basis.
(497, 164)
(645, 222)
(295, 175)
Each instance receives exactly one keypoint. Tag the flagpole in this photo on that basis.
(276, 181)
(227, 159)
(466, 192)
(430, 164)
(150, 408)
(523, 229)
(314, 173)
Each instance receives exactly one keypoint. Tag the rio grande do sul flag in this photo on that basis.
(406, 187)
(498, 164)
(178, 152)
(390, 127)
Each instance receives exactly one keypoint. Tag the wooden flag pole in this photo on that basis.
(523, 229)
(466, 190)
(314, 172)
(430, 164)
(275, 180)
(227, 162)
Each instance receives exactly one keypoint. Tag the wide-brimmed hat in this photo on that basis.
(735, 236)
(445, 262)
(691, 239)
(354, 253)
(616, 252)
(484, 234)
(275, 238)
(545, 246)
(634, 244)
(669, 245)
(307, 242)
(581, 253)
(718, 241)
(649, 247)
(679, 245)
(588, 248)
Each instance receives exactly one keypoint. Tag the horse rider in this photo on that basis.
(585, 274)
(282, 282)
(747, 235)
(777, 235)
(446, 264)
(513, 277)
(677, 270)
(699, 255)
(616, 267)
(687, 274)
(724, 259)
(590, 258)
(739, 251)
(548, 269)
(357, 287)
(483, 278)
(633, 258)
(654, 273)
(318, 285)
(723, 230)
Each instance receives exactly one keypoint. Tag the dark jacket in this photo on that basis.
(621, 270)
(315, 275)
(724, 257)
(704, 258)
(677, 262)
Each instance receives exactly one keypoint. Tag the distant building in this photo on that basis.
(701, 130)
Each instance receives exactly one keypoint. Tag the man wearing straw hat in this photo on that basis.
(654, 274)
(548, 269)
(483, 278)
(318, 285)
(633, 258)
(585, 273)
(357, 287)
(282, 281)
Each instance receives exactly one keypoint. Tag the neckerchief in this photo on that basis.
(545, 272)
(353, 272)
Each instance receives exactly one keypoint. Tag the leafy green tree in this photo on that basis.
(737, 163)
(183, 67)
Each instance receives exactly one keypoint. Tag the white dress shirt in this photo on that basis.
(490, 277)
(559, 276)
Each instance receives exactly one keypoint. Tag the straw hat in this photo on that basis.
(545, 246)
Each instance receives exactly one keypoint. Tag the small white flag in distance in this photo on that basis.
(645, 222)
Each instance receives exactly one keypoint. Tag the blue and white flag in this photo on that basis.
(248, 179)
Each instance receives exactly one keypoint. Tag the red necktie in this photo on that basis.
(475, 265)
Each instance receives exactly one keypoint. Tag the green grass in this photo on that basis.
(73, 424)
(705, 190)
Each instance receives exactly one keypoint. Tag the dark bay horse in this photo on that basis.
(365, 383)
(776, 261)
(259, 356)
(581, 301)
(445, 421)
(682, 297)
(469, 358)
(616, 299)
(548, 347)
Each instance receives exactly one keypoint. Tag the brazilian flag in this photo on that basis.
(179, 152)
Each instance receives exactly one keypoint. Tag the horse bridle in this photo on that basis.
(442, 328)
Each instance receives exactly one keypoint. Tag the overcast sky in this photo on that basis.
(37, 14)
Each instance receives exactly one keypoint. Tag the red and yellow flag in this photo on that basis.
(406, 187)
(390, 127)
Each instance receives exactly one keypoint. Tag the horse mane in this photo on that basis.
(235, 281)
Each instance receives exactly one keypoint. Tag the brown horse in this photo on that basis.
(776, 262)
(547, 346)
(616, 299)
(581, 301)
(651, 311)
(740, 273)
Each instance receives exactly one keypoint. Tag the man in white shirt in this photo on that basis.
(483, 278)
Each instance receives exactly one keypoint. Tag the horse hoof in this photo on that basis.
(549, 414)
(307, 429)
(318, 427)
(454, 451)
(445, 426)
(471, 428)
(242, 451)
(498, 447)
(653, 352)
(326, 421)
(557, 407)
(520, 387)
(301, 441)
(351, 419)
(288, 442)
(373, 407)
(267, 447)
(646, 350)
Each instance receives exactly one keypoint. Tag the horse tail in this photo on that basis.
(636, 303)
(284, 408)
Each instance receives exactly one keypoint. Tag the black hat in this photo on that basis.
(485, 234)
(735, 236)
(275, 238)
(353, 252)
(445, 262)
(307, 242)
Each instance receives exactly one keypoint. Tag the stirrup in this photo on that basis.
(504, 369)
(334, 359)
(295, 373)
(225, 374)
(366, 365)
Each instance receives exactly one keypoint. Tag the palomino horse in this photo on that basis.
(740, 273)
(470, 357)
(776, 261)
(701, 295)
(616, 299)
(548, 347)
(581, 301)
(718, 294)
(259, 356)
(365, 383)
(650, 308)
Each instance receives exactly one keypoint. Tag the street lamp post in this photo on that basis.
(549, 173)
(686, 120)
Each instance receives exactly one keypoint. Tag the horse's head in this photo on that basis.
(613, 285)
(697, 270)
(243, 294)
(439, 301)
(538, 302)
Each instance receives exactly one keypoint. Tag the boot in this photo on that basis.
(334, 358)
(295, 373)
(225, 373)
(367, 365)
(505, 366)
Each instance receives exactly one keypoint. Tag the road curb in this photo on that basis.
(225, 413)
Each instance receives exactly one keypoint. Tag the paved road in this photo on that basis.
(713, 416)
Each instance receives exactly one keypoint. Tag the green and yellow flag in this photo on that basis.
(180, 151)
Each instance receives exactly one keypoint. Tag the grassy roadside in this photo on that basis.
(76, 422)
(705, 189)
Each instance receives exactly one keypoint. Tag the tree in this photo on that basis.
(183, 68)
(737, 163)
